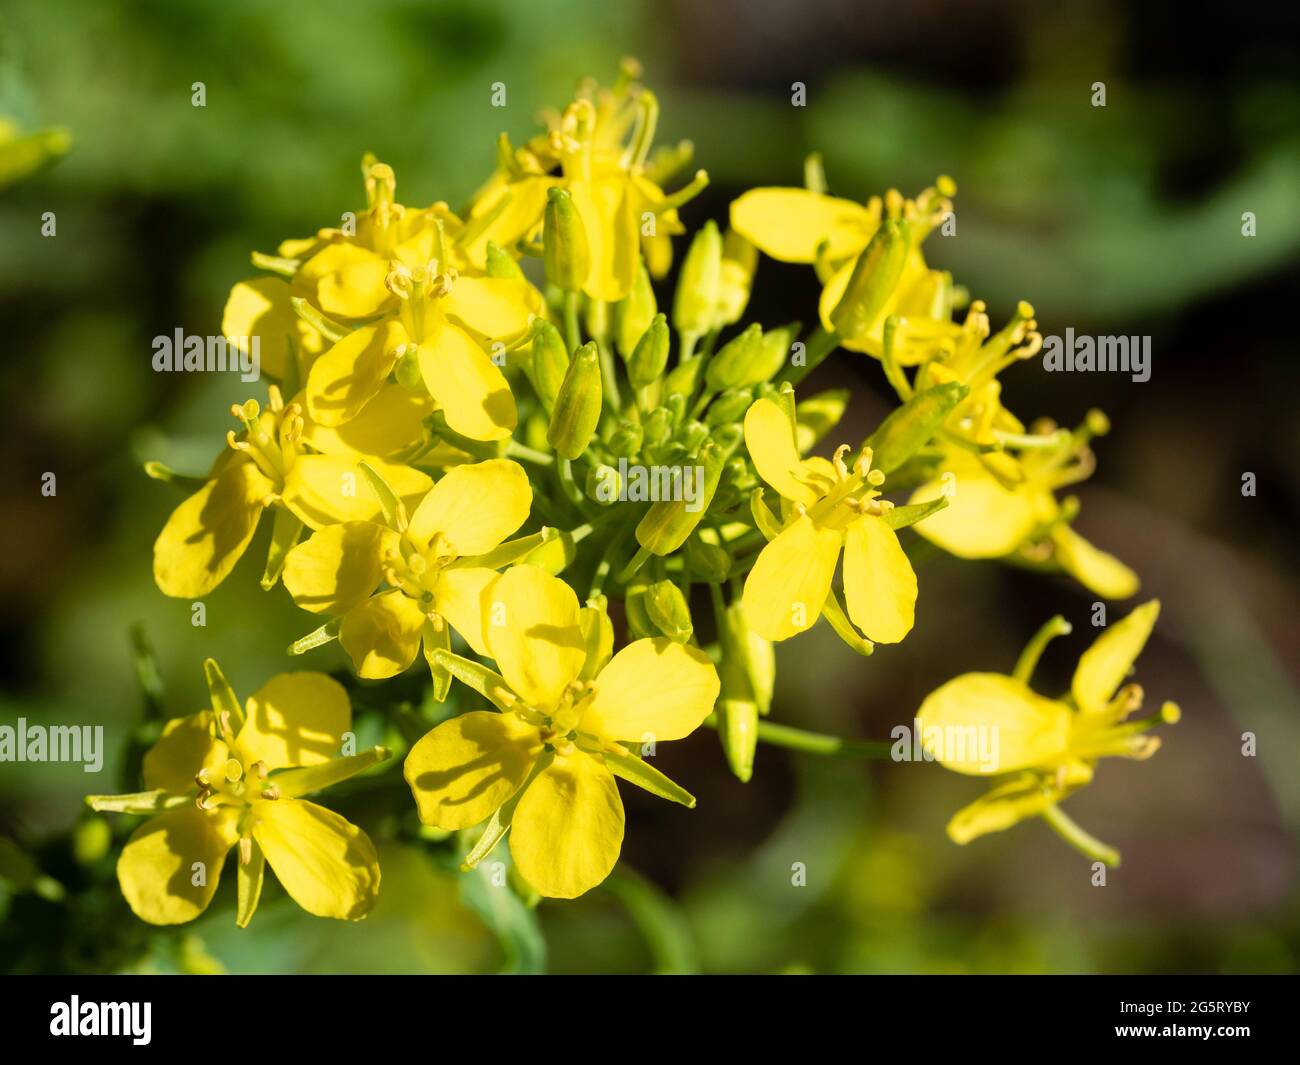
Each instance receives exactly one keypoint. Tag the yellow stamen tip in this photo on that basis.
(1171, 713)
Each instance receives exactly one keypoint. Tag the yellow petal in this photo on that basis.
(498, 308)
(771, 443)
(533, 631)
(653, 688)
(187, 744)
(382, 635)
(348, 281)
(388, 427)
(458, 596)
(1008, 804)
(611, 223)
(984, 723)
(567, 830)
(209, 532)
(350, 374)
(1103, 666)
(474, 507)
(466, 384)
(1093, 568)
(982, 519)
(260, 308)
(171, 865)
(789, 224)
(326, 864)
(786, 589)
(521, 215)
(295, 719)
(325, 489)
(879, 584)
(467, 767)
(337, 567)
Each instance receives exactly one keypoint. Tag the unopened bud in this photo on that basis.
(564, 242)
(874, 278)
(577, 404)
(696, 302)
(668, 611)
(650, 356)
(550, 361)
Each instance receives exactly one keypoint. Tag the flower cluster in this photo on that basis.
(481, 432)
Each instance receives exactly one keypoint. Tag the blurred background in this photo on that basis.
(1125, 219)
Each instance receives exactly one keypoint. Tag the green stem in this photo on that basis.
(796, 739)
(516, 450)
(572, 336)
(1085, 843)
(1033, 651)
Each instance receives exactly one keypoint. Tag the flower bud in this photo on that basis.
(650, 355)
(604, 485)
(635, 313)
(684, 378)
(874, 278)
(501, 265)
(577, 404)
(696, 302)
(657, 427)
(550, 361)
(625, 440)
(732, 366)
(668, 523)
(728, 407)
(707, 562)
(668, 611)
(639, 625)
(564, 242)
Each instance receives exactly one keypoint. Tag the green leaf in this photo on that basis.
(304, 780)
(328, 328)
(285, 530)
(514, 925)
(488, 684)
(902, 517)
(659, 920)
(637, 771)
(911, 426)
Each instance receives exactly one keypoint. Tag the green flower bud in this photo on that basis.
(747, 671)
(625, 440)
(696, 302)
(707, 562)
(500, 264)
(728, 407)
(603, 484)
(639, 625)
(550, 360)
(577, 404)
(735, 361)
(684, 378)
(658, 426)
(910, 427)
(874, 278)
(668, 611)
(668, 523)
(407, 370)
(597, 636)
(635, 313)
(564, 242)
(650, 356)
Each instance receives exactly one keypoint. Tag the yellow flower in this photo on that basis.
(445, 322)
(805, 226)
(265, 467)
(989, 724)
(999, 477)
(828, 508)
(544, 767)
(433, 568)
(598, 150)
(234, 776)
